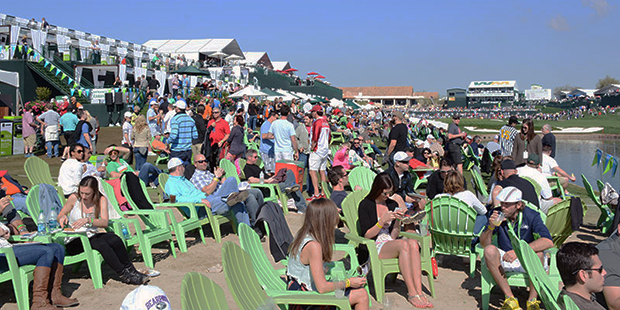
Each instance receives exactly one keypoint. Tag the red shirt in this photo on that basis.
(221, 130)
(317, 127)
(414, 163)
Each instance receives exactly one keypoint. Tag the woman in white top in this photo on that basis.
(88, 208)
(453, 186)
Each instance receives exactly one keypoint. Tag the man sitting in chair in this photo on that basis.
(209, 183)
(226, 198)
(252, 174)
(582, 273)
(502, 258)
(117, 166)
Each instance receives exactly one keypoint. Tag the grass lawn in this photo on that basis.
(609, 122)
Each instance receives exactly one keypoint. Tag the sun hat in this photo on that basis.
(174, 162)
(510, 194)
(146, 297)
(181, 104)
(127, 114)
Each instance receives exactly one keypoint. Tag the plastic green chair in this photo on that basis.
(214, 220)
(92, 258)
(327, 188)
(337, 137)
(156, 228)
(200, 293)
(537, 186)
(417, 181)
(452, 228)
(274, 189)
(38, 172)
(555, 185)
(20, 276)
(380, 268)
(249, 295)
(362, 177)
(605, 220)
(559, 222)
(479, 185)
(600, 185)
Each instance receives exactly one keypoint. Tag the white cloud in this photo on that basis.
(559, 23)
(601, 7)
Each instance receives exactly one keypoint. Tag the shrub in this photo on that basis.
(43, 93)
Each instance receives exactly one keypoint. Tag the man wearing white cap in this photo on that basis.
(182, 132)
(226, 198)
(501, 258)
(430, 139)
(403, 183)
(153, 118)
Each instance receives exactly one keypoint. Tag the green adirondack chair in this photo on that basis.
(600, 185)
(514, 278)
(337, 137)
(38, 172)
(556, 187)
(479, 185)
(200, 293)
(452, 228)
(417, 181)
(559, 222)
(214, 220)
(327, 188)
(274, 189)
(380, 268)
(180, 228)
(156, 228)
(92, 258)
(605, 220)
(249, 295)
(537, 186)
(20, 276)
(361, 176)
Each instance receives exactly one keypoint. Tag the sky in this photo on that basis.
(430, 45)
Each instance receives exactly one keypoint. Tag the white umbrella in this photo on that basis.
(234, 57)
(219, 55)
(250, 91)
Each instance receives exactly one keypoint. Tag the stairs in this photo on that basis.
(54, 80)
(69, 71)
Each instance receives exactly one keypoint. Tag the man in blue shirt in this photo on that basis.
(226, 198)
(528, 226)
(182, 132)
(68, 122)
(267, 151)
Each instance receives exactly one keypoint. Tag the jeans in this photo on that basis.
(376, 150)
(149, 173)
(308, 184)
(41, 255)
(49, 145)
(109, 245)
(252, 120)
(300, 202)
(185, 156)
(219, 207)
(253, 203)
(140, 159)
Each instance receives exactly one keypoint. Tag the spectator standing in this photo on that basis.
(533, 141)
(153, 117)
(144, 84)
(236, 140)
(267, 150)
(68, 122)
(507, 136)
(303, 142)
(321, 138)
(283, 133)
(176, 84)
(50, 121)
(127, 130)
(83, 130)
(201, 128)
(455, 141)
(182, 132)
(153, 85)
(29, 131)
(252, 114)
(548, 139)
(219, 131)
(397, 136)
(141, 137)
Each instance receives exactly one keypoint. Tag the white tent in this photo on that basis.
(336, 103)
(250, 91)
(286, 96)
(255, 58)
(193, 48)
(281, 65)
(12, 79)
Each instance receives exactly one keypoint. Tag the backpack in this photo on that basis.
(78, 129)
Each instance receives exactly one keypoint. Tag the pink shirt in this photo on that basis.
(341, 159)
(27, 128)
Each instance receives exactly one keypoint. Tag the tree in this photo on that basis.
(606, 81)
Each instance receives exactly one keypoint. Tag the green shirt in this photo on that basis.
(121, 166)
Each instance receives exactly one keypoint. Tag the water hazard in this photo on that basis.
(575, 156)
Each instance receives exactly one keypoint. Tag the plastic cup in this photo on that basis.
(500, 219)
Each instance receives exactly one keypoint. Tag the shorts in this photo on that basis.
(284, 156)
(515, 266)
(30, 140)
(455, 153)
(316, 162)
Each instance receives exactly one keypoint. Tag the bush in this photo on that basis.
(43, 93)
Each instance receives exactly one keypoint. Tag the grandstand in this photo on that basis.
(491, 93)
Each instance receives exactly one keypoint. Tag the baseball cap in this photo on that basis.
(533, 159)
(402, 156)
(181, 104)
(513, 120)
(146, 297)
(127, 114)
(430, 137)
(398, 114)
(496, 137)
(508, 164)
(316, 108)
(174, 162)
(510, 194)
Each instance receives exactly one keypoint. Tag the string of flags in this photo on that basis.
(608, 161)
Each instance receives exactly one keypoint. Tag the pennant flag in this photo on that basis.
(117, 89)
(19, 47)
(614, 167)
(46, 63)
(608, 163)
(35, 55)
(72, 91)
(80, 92)
(40, 60)
(63, 76)
(87, 92)
(57, 72)
(70, 81)
(52, 67)
(124, 90)
(597, 157)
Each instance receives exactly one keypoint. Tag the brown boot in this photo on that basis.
(56, 296)
(39, 289)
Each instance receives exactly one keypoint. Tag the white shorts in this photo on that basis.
(515, 266)
(316, 162)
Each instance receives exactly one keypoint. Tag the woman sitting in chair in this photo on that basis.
(453, 186)
(379, 218)
(88, 208)
(312, 247)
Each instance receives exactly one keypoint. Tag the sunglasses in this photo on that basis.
(388, 194)
(79, 151)
(201, 161)
(599, 269)
(216, 112)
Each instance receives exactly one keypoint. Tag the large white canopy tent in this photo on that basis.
(281, 65)
(250, 91)
(257, 58)
(193, 48)
(12, 79)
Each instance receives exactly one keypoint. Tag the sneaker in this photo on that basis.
(313, 197)
(291, 189)
(510, 303)
(235, 198)
(416, 218)
(533, 305)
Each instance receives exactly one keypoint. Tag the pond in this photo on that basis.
(575, 156)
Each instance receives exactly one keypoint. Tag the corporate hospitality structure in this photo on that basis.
(491, 93)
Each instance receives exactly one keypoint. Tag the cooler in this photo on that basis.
(296, 166)
(6, 137)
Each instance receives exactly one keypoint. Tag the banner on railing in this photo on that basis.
(98, 95)
(609, 162)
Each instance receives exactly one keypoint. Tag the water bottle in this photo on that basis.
(262, 178)
(52, 222)
(42, 224)
(339, 282)
(125, 231)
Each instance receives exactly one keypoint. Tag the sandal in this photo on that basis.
(419, 301)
